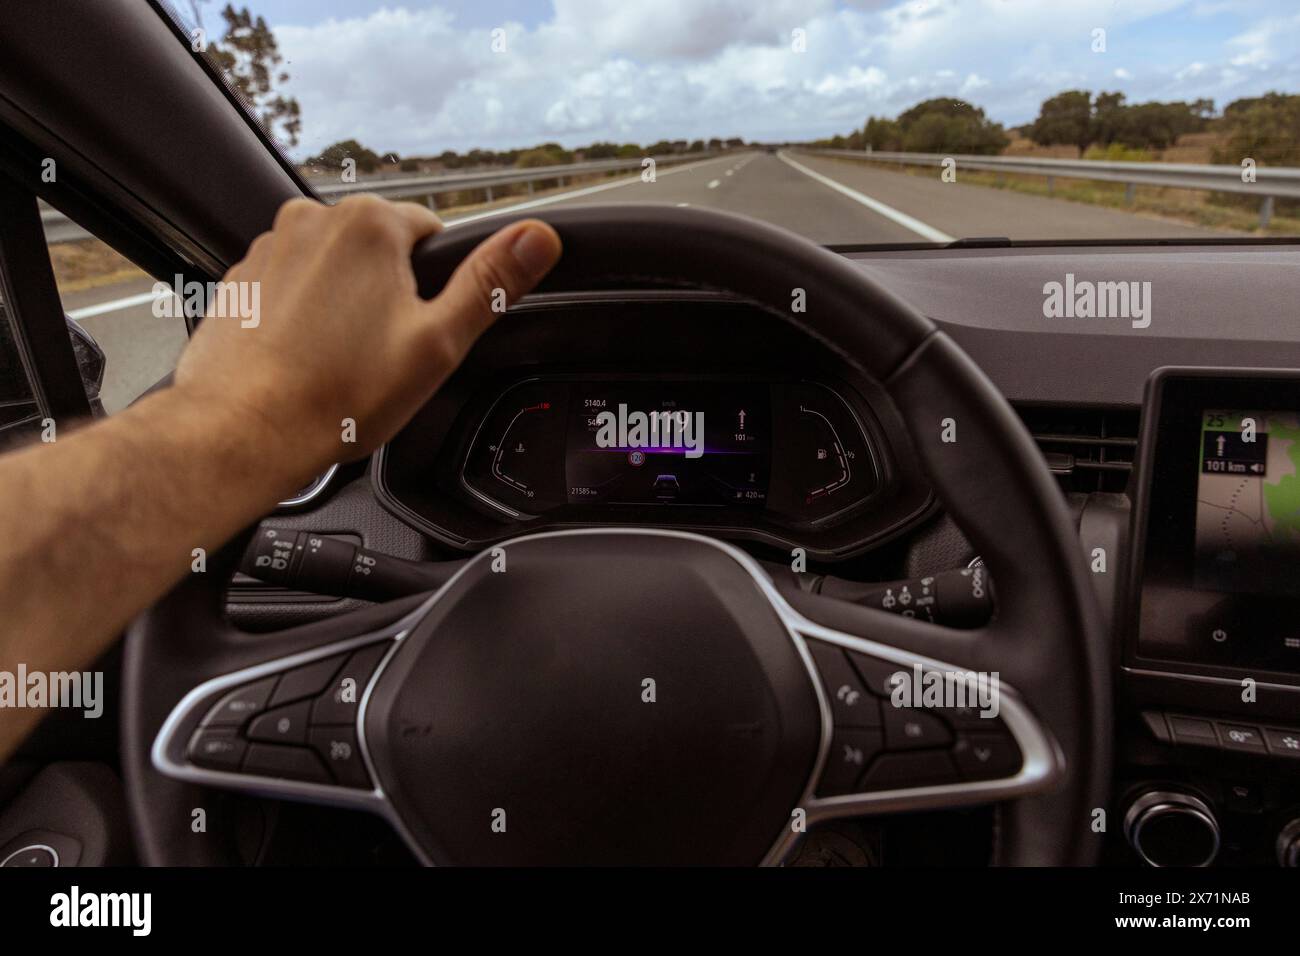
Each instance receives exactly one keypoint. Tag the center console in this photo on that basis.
(1211, 646)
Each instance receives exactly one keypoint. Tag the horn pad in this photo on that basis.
(603, 698)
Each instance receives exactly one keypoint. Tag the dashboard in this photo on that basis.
(549, 424)
(766, 436)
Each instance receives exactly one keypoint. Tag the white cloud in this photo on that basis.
(416, 82)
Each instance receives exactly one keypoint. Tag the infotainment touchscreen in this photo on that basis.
(1214, 578)
(1248, 502)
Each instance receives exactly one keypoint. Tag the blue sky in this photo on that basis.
(420, 77)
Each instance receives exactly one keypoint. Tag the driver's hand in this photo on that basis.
(343, 351)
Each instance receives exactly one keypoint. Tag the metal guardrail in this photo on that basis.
(1280, 182)
(58, 228)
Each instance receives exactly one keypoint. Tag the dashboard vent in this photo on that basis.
(1087, 449)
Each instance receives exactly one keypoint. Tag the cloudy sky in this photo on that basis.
(420, 77)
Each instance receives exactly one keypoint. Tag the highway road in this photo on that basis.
(830, 201)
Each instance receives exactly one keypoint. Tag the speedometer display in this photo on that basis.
(794, 451)
(669, 444)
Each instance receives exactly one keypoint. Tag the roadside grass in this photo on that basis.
(1189, 206)
(89, 264)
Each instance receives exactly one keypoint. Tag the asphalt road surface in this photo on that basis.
(831, 201)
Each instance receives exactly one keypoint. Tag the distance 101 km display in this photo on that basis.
(650, 446)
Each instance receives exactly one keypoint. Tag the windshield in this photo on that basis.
(852, 122)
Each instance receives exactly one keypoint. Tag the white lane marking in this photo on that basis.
(76, 315)
(560, 197)
(875, 205)
(683, 204)
(714, 183)
(731, 172)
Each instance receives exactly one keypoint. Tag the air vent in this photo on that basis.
(1088, 449)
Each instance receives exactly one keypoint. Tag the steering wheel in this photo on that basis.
(637, 695)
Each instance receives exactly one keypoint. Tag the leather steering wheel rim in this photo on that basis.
(1047, 640)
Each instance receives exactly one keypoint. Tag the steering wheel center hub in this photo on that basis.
(628, 697)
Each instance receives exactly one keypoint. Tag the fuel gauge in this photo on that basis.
(823, 463)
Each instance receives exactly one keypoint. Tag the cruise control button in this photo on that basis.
(911, 728)
(968, 718)
(851, 751)
(923, 768)
(308, 680)
(337, 747)
(240, 704)
(218, 748)
(986, 756)
(284, 725)
(851, 705)
(339, 703)
(294, 763)
(1241, 737)
(878, 675)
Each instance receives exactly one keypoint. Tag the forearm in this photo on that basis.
(107, 519)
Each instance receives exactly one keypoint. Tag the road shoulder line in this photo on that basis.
(922, 229)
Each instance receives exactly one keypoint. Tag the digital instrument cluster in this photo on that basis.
(793, 450)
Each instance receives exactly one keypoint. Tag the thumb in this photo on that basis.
(503, 267)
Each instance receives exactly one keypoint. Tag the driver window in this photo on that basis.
(111, 301)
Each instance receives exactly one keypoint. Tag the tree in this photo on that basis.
(1108, 120)
(547, 154)
(947, 125)
(1263, 128)
(333, 156)
(882, 134)
(250, 60)
(1158, 125)
(1075, 118)
(1066, 118)
(600, 151)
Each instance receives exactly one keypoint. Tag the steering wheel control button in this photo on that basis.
(921, 768)
(309, 680)
(878, 675)
(1241, 737)
(217, 748)
(284, 725)
(909, 728)
(986, 756)
(295, 763)
(851, 753)
(966, 718)
(240, 704)
(851, 705)
(339, 703)
(337, 748)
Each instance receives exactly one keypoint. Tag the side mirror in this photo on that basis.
(91, 362)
